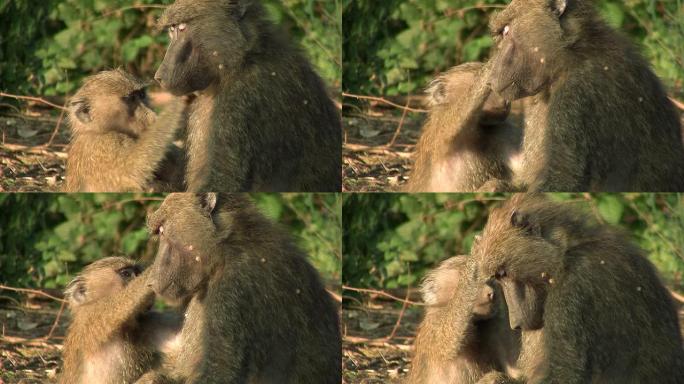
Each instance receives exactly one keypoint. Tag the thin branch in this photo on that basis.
(34, 291)
(381, 293)
(31, 98)
(54, 132)
(54, 325)
(383, 100)
(401, 123)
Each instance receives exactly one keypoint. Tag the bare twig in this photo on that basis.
(385, 101)
(381, 293)
(54, 325)
(401, 314)
(31, 98)
(34, 291)
(54, 132)
(401, 123)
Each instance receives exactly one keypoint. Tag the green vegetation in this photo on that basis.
(390, 240)
(45, 238)
(396, 46)
(48, 46)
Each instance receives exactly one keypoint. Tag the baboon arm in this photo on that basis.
(457, 320)
(119, 309)
(146, 154)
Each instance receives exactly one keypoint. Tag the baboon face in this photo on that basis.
(525, 304)
(111, 100)
(441, 285)
(454, 86)
(205, 38)
(528, 36)
(187, 240)
(101, 278)
(485, 306)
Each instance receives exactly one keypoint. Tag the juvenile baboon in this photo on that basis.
(596, 117)
(466, 144)
(592, 301)
(117, 143)
(263, 120)
(465, 333)
(257, 311)
(113, 337)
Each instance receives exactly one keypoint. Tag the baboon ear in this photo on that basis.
(523, 221)
(75, 292)
(208, 202)
(81, 109)
(558, 7)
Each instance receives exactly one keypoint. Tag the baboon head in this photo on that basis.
(523, 247)
(442, 284)
(209, 39)
(190, 228)
(111, 100)
(454, 85)
(531, 39)
(102, 278)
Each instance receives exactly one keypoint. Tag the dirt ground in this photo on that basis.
(31, 158)
(30, 349)
(371, 160)
(27, 354)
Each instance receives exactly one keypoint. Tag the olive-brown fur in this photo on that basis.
(257, 309)
(466, 143)
(465, 334)
(113, 338)
(263, 120)
(118, 144)
(596, 116)
(593, 302)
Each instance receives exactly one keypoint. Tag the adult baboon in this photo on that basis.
(466, 142)
(257, 310)
(596, 116)
(118, 144)
(113, 337)
(465, 333)
(263, 120)
(593, 301)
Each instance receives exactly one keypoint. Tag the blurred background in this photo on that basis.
(391, 240)
(394, 47)
(46, 238)
(48, 46)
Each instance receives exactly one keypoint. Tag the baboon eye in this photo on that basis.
(505, 30)
(160, 230)
(127, 273)
(181, 27)
(501, 273)
(172, 31)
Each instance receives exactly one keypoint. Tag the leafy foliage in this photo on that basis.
(48, 46)
(390, 240)
(45, 238)
(395, 47)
